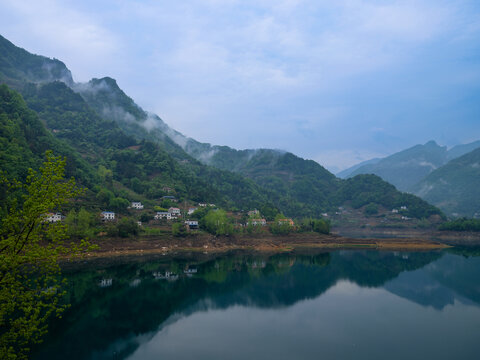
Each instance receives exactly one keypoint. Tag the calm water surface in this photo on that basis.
(337, 305)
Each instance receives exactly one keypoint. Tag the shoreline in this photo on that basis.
(205, 243)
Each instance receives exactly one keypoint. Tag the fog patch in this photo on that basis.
(154, 122)
(206, 156)
(53, 70)
(425, 163)
(118, 114)
(425, 189)
(93, 89)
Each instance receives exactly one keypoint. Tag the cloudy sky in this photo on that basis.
(335, 81)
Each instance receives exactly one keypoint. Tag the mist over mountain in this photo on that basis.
(19, 65)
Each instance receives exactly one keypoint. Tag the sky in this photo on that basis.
(338, 81)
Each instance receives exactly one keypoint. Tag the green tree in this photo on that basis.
(30, 288)
(280, 226)
(126, 227)
(179, 229)
(217, 222)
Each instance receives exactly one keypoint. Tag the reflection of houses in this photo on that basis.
(107, 215)
(256, 265)
(168, 275)
(190, 272)
(403, 207)
(394, 211)
(105, 283)
(191, 210)
(191, 224)
(135, 282)
(137, 205)
(286, 221)
(52, 218)
(162, 215)
(258, 222)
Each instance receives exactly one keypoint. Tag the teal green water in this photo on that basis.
(337, 305)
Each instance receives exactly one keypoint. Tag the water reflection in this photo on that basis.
(338, 304)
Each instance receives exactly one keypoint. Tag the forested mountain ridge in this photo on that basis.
(455, 187)
(405, 168)
(137, 156)
(18, 65)
(446, 178)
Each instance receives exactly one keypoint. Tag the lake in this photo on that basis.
(361, 304)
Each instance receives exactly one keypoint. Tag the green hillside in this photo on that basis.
(455, 187)
(18, 65)
(127, 153)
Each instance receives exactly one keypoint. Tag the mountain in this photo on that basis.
(133, 154)
(18, 65)
(347, 172)
(405, 168)
(454, 187)
(460, 150)
(408, 167)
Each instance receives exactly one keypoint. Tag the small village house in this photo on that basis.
(174, 212)
(258, 222)
(253, 212)
(191, 224)
(286, 221)
(162, 215)
(107, 215)
(53, 218)
(137, 205)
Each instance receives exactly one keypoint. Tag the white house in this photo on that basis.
(191, 210)
(255, 222)
(403, 207)
(174, 212)
(253, 212)
(108, 215)
(163, 215)
(394, 211)
(192, 224)
(52, 218)
(137, 205)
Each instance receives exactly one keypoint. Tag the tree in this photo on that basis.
(127, 227)
(30, 287)
(217, 222)
(179, 229)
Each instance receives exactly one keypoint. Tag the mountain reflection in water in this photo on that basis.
(342, 304)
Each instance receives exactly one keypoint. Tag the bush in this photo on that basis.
(127, 227)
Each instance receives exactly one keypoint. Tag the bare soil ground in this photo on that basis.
(108, 247)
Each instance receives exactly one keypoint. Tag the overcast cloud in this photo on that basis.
(334, 81)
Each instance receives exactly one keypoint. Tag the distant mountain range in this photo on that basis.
(119, 151)
(448, 178)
